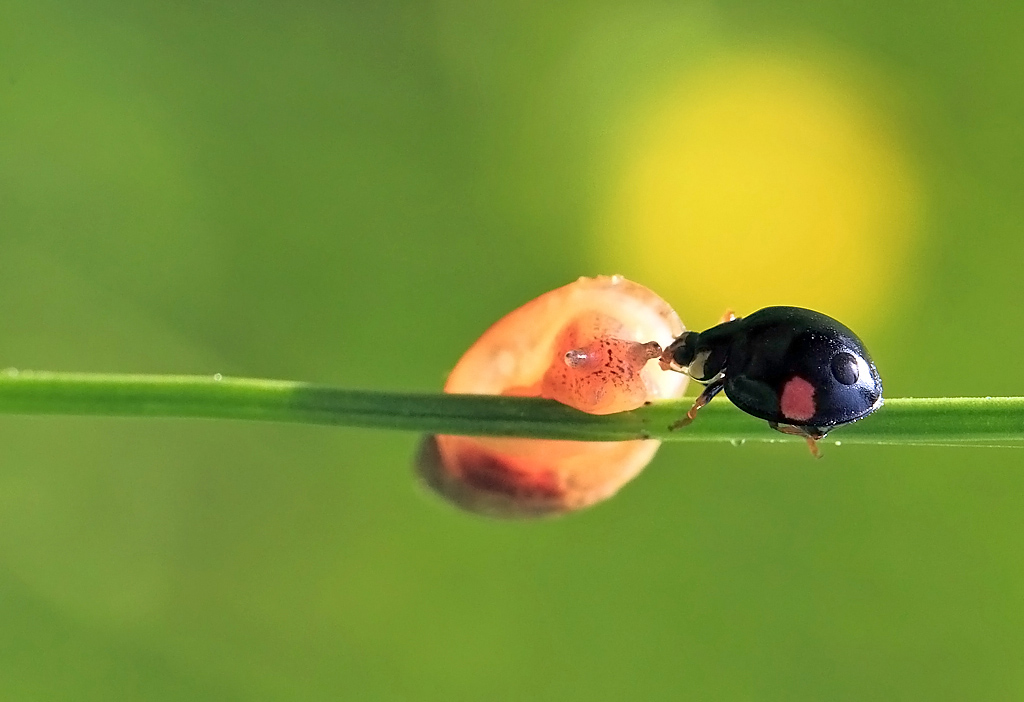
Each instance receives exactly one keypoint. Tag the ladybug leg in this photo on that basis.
(813, 446)
(712, 389)
(811, 434)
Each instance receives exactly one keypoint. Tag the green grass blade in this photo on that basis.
(955, 420)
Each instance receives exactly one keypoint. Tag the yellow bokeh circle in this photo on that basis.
(761, 181)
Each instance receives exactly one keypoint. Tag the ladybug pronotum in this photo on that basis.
(802, 371)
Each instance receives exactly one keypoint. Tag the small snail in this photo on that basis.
(588, 345)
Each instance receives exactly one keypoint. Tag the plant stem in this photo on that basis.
(955, 420)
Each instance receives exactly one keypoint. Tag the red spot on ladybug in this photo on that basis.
(797, 401)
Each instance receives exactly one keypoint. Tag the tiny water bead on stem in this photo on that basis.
(588, 345)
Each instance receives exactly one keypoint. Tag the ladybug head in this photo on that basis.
(692, 354)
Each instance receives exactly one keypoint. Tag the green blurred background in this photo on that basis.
(350, 193)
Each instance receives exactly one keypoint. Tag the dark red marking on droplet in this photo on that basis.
(797, 401)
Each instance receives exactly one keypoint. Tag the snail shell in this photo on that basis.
(588, 345)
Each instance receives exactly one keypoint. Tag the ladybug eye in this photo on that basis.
(844, 368)
(682, 356)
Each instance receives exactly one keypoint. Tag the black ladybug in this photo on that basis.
(802, 371)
